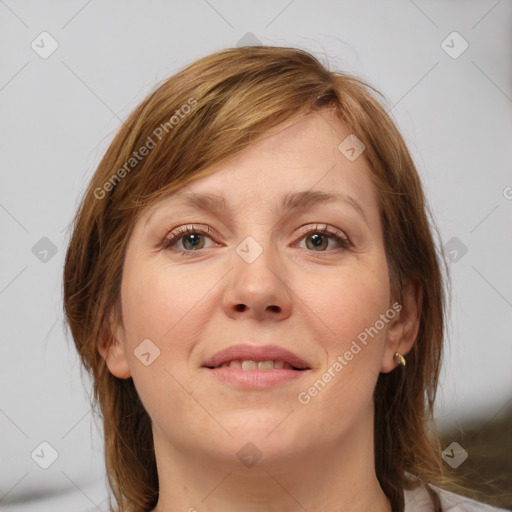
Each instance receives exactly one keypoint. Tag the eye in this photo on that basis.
(318, 239)
(192, 239)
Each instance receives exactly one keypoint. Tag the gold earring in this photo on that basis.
(400, 359)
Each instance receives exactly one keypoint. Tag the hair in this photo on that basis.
(192, 124)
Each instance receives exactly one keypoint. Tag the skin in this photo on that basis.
(311, 300)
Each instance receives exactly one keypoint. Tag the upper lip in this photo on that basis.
(255, 353)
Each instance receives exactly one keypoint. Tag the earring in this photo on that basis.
(400, 359)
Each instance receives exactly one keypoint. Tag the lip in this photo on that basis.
(255, 353)
(255, 378)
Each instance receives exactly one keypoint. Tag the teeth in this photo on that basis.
(249, 365)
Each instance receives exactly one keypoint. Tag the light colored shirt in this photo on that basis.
(418, 500)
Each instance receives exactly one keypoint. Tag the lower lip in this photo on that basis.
(256, 378)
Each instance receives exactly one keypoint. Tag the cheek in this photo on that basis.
(343, 388)
(339, 397)
(348, 305)
(153, 300)
(352, 333)
(168, 305)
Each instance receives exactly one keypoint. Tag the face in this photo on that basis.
(285, 276)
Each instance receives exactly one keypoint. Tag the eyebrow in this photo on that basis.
(292, 201)
(307, 199)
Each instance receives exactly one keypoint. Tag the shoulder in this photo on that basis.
(418, 500)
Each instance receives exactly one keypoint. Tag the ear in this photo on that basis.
(404, 328)
(112, 348)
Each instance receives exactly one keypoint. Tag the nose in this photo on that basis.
(258, 288)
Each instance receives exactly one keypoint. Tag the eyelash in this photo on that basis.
(332, 233)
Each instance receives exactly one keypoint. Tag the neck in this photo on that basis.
(334, 478)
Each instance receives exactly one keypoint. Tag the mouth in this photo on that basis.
(248, 365)
(256, 366)
(256, 358)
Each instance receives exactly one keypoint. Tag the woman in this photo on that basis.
(253, 284)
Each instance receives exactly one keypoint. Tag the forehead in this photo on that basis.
(301, 160)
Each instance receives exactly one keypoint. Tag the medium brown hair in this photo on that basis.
(235, 98)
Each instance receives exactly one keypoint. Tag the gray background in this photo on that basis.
(58, 115)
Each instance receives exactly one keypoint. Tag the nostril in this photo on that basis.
(243, 307)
